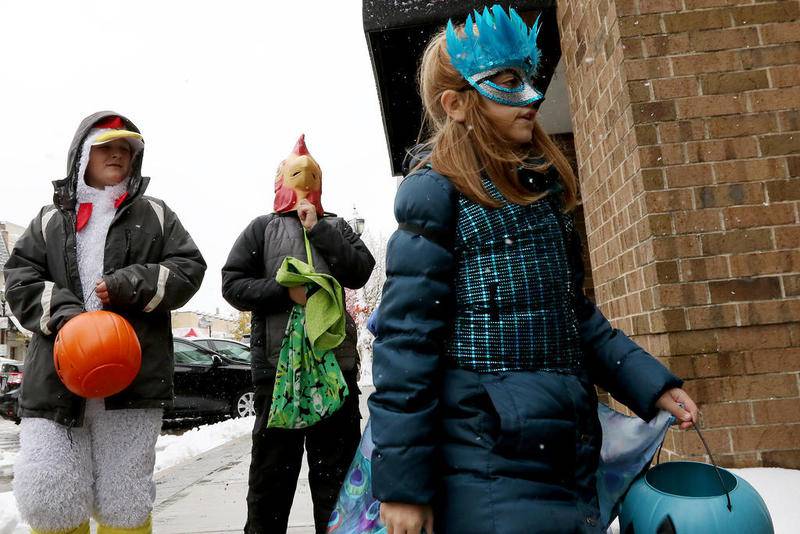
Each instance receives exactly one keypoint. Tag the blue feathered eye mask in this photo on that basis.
(503, 42)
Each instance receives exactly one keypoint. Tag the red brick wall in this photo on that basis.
(687, 133)
(566, 142)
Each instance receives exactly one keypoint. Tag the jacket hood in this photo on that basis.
(64, 195)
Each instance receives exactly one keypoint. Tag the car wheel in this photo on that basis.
(244, 405)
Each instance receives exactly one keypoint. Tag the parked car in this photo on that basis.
(234, 350)
(10, 381)
(210, 383)
(207, 382)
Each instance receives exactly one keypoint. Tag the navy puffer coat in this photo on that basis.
(494, 452)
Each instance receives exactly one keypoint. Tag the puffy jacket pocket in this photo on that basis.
(42, 390)
(536, 422)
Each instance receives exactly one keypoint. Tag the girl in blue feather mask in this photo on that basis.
(487, 351)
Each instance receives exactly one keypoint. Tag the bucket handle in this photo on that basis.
(711, 457)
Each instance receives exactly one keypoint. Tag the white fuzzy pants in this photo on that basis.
(105, 470)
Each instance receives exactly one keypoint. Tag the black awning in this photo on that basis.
(397, 32)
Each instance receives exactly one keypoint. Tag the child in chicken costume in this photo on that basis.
(102, 245)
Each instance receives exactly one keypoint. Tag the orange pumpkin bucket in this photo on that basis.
(97, 354)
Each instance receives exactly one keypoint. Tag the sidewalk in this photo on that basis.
(207, 494)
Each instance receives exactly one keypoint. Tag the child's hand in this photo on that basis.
(671, 400)
(299, 294)
(102, 292)
(402, 518)
(307, 213)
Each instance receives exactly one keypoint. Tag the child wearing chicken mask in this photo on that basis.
(249, 284)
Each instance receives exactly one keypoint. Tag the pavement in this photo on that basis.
(207, 493)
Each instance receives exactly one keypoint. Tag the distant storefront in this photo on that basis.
(13, 337)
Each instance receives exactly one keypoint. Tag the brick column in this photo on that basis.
(687, 133)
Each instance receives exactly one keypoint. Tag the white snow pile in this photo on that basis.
(170, 451)
(10, 523)
(780, 489)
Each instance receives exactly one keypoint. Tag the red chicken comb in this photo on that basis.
(113, 123)
(300, 148)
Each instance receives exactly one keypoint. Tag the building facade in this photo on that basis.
(198, 324)
(13, 337)
(687, 138)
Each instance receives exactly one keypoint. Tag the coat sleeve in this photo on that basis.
(163, 286)
(615, 362)
(243, 283)
(39, 304)
(411, 329)
(350, 261)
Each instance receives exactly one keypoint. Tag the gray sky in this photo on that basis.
(220, 90)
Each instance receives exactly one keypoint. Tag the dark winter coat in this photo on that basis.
(501, 452)
(151, 266)
(248, 280)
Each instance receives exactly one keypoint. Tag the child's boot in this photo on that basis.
(145, 528)
(82, 529)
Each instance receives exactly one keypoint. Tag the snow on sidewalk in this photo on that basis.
(171, 450)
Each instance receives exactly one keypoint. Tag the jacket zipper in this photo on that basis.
(74, 277)
(127, 254)
(78, 290)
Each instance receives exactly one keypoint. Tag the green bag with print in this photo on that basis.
(309, 385)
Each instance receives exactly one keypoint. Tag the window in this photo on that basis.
(188, 355)
(234, 351)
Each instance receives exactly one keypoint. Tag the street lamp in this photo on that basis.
(356, 222)
(204, 322)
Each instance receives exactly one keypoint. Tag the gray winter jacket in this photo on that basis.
(151, 266)
(248, 280)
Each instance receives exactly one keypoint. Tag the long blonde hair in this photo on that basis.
(465, 151)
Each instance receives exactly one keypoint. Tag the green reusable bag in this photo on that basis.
(309, 384)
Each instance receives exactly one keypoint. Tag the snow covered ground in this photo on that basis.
(170, 451)
(780, 488)
(7, 462)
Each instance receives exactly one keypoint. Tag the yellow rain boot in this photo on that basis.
(82, 529)
(146, 528)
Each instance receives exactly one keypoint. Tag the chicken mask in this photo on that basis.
(299, 177)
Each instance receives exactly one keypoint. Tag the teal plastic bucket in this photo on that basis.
(693, 498)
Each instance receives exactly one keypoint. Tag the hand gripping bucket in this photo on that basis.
(693, 498)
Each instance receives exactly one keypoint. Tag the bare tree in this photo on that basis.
(373, 290)
(362, 303)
